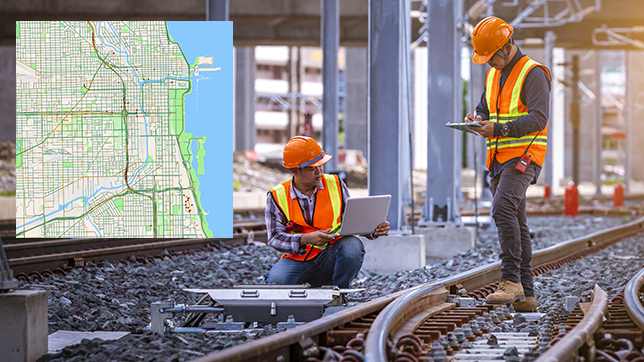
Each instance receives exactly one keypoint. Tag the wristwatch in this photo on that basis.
(505, 130)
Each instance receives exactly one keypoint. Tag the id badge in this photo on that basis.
(523, 163)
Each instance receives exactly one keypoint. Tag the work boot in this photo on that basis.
(506, 292)
(529, 305)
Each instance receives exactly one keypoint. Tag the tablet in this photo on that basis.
(465, 127)
(363, 215)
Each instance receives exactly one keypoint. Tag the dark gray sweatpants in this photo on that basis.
(508, 211)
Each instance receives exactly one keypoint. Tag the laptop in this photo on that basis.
(363, 214)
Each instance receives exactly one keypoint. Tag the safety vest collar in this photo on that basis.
(295, 193)
(527, 64)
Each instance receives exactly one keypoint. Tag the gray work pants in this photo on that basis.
(508, 211)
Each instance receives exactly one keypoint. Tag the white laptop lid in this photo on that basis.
(363, 214)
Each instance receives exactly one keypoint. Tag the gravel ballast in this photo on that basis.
(118, 297)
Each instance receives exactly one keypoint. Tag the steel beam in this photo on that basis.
(478, 151)
(244, 99)
(628, 110)
(444, 104)
(217, 10)
(8, 93)
(387, 43)
(548, 53)
(599, 115)
(294, 88)
(330, 44)
(574, 118)
(355, 124)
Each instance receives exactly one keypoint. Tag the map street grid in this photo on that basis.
(101, 146)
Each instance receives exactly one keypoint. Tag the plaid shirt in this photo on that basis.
(278, 237)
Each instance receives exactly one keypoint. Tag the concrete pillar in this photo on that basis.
(355, 124)
(330, 45)
(23, 331)
(7, 93)
(244, 99)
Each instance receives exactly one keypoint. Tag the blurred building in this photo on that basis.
(288, 86)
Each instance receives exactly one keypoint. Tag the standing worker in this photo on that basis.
(300, 213)
(513, 112)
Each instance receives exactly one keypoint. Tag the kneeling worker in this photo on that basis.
(300, 213)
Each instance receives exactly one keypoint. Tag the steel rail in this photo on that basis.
(392, 317)
(376, 343)
(28, 264)
(634, 306)
(567, 348)
(281, 342)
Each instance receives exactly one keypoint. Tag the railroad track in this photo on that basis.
(29, 258)
(7, 228)
(384, 328)
(603, 330)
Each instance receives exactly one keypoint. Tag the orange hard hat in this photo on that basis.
(489, 35)
(301, 151)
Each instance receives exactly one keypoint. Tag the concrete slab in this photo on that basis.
(7, 207)
(243, 201)
(23, 331)
(445, 242)
(388, 254)
(61, 339)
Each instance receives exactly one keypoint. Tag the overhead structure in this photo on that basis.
(297, 22)
(608, 37)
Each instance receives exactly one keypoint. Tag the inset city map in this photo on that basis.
(124, 129)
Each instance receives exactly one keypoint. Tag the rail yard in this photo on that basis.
(408, 313)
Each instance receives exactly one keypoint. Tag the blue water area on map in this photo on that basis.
(209, 113)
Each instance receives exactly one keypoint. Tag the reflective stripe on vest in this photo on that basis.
(327, 213)
(510, 108)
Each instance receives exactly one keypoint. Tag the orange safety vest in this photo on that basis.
(326, 215)
(510, 107)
